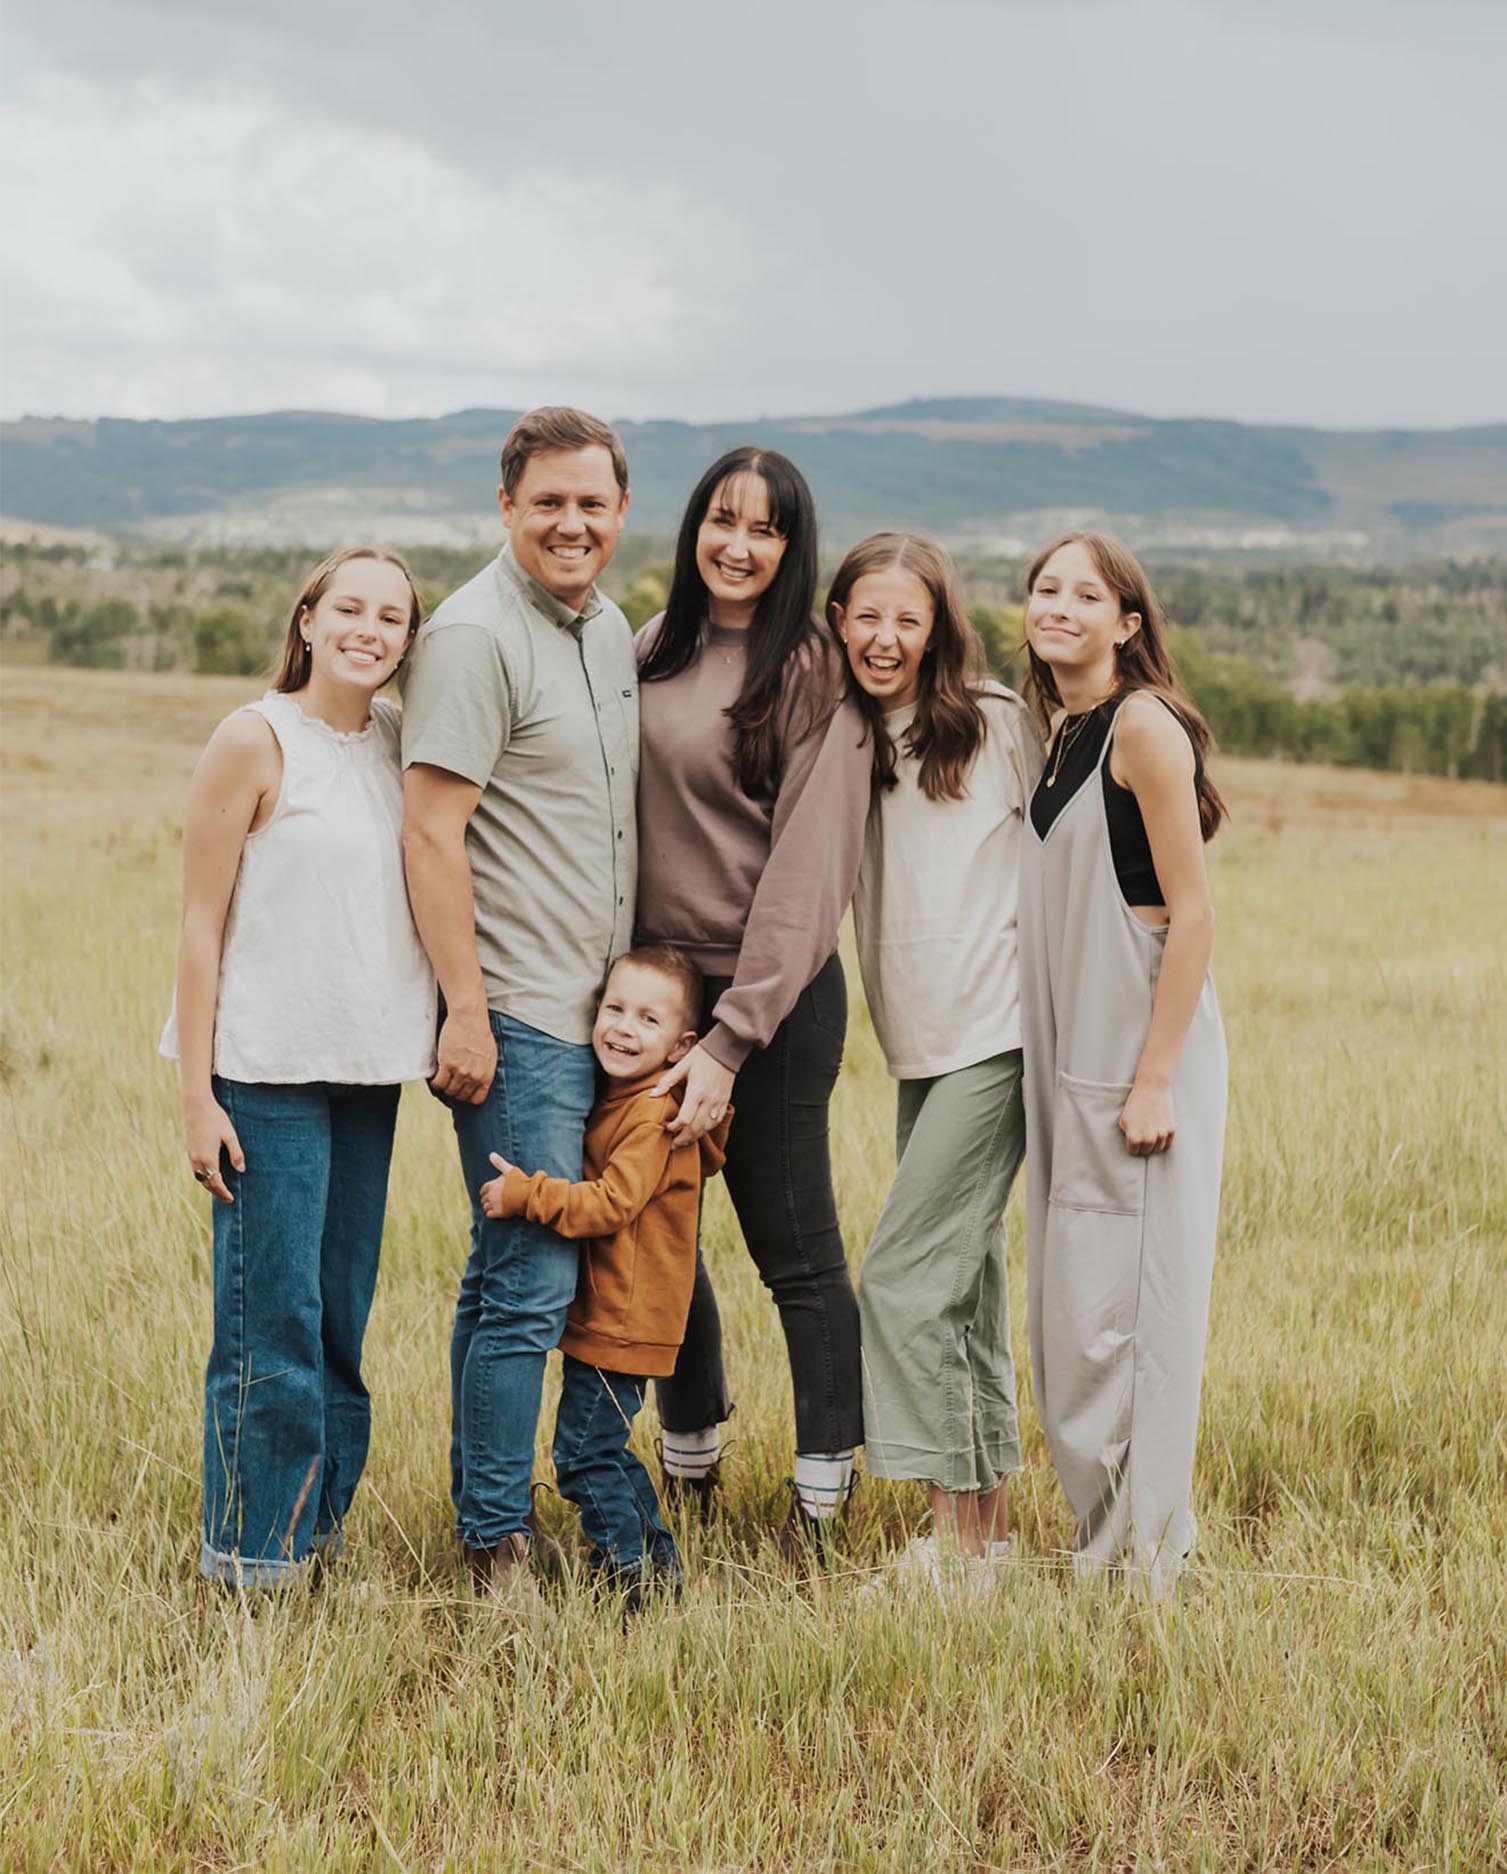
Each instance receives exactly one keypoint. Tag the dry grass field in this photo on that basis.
(1331, 1693)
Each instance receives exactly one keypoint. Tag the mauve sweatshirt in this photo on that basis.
(750, 889)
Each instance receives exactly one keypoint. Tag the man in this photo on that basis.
(520, 750)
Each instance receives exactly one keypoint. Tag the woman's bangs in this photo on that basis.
(781, 502)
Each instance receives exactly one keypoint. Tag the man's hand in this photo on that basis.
(467, 1057)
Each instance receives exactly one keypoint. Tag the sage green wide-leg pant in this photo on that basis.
(938, 1373)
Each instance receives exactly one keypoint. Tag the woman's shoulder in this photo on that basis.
(999, 700)
(1007, 715)
(250, 729)
(647, 637)
(387, 721)
(817, 663)
(1149, 730)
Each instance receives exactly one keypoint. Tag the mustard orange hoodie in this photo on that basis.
(635, 1214)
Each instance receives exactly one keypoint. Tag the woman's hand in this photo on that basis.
(1147, 1120)
(708, 1089)
(208, 1131)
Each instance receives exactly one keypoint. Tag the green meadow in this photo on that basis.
(1329, 1692)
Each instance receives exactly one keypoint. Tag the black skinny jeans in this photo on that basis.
(779, 1176)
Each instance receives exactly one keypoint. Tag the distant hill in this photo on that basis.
(994, 470)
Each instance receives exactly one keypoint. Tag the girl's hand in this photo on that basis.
(708, 1089)
(207, 1132)
(1147, 1120)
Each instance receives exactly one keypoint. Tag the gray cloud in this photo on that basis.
(1185, 208)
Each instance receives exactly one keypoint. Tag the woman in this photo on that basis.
(1124, 1055)
(955, 758)
(303, 999)
(753, 792)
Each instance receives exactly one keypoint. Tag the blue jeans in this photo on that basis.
(598, 1473)
(520, 1277)
(287, 1419)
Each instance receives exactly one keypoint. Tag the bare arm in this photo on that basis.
(1153, 757)
(437, 806)
(233, 789)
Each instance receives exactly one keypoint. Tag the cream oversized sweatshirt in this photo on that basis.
(935, 906)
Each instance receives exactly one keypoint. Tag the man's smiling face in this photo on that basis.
(564, 518)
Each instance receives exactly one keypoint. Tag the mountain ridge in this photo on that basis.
(965, 467)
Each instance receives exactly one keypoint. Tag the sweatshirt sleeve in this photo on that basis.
(595, 1206)
(816, 843)
(1026, 755)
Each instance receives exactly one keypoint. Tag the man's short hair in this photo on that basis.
(558, 426)
(665, 960)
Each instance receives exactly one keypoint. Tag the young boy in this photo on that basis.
(635, 1213)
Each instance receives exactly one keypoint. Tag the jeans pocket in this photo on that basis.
(826, 998)
(1091, 1167)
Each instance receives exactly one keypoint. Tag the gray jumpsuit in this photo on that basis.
(1120, 1249)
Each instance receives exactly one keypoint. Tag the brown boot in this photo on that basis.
(501, 1574)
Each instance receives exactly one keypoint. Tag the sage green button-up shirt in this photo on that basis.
(537, 705)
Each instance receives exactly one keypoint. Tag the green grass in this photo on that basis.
(1333, 1694)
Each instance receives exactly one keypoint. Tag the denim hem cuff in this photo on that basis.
(469, 1539)
(248, 1571)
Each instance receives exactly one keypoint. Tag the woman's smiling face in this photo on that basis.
(738, 546)
(886, 626)
(359, 626)
(1073, 617)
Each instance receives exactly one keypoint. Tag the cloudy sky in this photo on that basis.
(1278, 210)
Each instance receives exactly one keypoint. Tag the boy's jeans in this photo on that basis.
(287, 1418)
(520, 1277)
(599, 1474)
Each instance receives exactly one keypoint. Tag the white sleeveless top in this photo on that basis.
(322, 975)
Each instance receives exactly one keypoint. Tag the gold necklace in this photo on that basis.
(1068, 732)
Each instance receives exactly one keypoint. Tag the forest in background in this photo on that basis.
(1401, 668)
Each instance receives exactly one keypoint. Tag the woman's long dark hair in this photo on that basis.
(1142, 662)
(782, 620)
(948, 728)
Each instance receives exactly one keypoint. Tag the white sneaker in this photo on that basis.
(923, 1565)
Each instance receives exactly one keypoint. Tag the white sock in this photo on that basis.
(691, 1454)
(822, 1483)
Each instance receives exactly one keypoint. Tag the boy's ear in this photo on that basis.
(683, 1046)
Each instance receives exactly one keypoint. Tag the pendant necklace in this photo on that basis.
(1072, 727)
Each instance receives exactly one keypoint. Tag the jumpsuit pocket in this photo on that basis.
(1091, 1169)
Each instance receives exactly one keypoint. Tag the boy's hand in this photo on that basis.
(491, 1191)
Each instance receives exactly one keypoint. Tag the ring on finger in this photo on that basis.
(203, 1174)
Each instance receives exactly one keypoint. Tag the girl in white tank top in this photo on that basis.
(303, 1000)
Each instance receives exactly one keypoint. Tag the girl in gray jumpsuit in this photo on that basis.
(1124, 1059)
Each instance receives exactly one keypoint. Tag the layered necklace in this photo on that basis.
(1068, 731)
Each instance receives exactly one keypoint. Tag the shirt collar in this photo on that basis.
(556, 610)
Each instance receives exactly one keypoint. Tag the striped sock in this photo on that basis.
(822, 1483)
(691, 1454)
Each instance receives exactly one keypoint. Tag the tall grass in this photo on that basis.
(1333, 1693)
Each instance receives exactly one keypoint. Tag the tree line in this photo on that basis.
(1402, 669)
